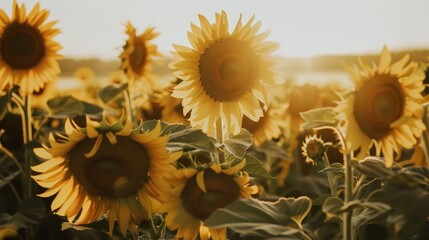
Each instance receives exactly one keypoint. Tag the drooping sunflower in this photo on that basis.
(225, 75)
(268, 127)
(383, 108)
(104, 168)
(28, 54)
(138, 53)
(313, 149)
(196, 194)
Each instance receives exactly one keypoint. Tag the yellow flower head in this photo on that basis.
(268, 127)
(224, 74)
(41, 97)
(104, 168)
(195, 194)
(138, 53)
(313, 149)
(84, 74)
(28, 55)
(383, 108)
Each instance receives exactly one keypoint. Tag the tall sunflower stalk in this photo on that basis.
(27, 59)
(136, 62)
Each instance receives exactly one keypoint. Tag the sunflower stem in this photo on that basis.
(27, 123)
(219, 136)
(129, 104)
(348, 194)
(331, 180)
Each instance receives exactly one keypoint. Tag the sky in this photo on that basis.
(96, 28)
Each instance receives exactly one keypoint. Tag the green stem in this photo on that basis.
(18, 198)
(27, 122)
(11, 156)
(129, 104)
(348, 194)
(331, 180)
(219, 137)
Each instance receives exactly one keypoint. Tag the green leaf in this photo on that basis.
(254, 218)
(68, 106)
(31, 211)
(321, 199)
(6, 180)
(337, 169)
(373, 167)
(255, 168)
(238, 144)
(182, 137)
(318, 117)
(109, 93)
(333, 206)
(407, 192)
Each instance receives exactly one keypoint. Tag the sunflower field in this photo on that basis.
(224, 146)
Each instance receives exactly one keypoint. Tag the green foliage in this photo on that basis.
(110, 93)
(264, 220)
(255, 168)
(31, 211)
(238, 144)
(318, 117)
(4, 181)
(68, 106)
(183, 137)
(407, 192)
(373, 167)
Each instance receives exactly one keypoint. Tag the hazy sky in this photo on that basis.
(95, 28)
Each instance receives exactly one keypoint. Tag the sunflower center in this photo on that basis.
(138, 57)
(22, 46)
(228, 69)
(379, 103)
(115, 171)
(221, 191)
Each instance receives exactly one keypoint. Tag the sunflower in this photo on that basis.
(225, 75)
(313, 149)
(138, 53)
(28, 55)
(196, 194)
(383, 108)
(269, 126)
(172, 110)
(103, 169)
(41, 97)
(84, 74)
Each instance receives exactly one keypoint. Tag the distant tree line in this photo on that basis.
(317, 63)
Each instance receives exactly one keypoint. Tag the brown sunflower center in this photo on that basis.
(315, 149)
(22, 46)
(221, 191)
(115, 171)
(378, 103)
(228, 69)
(138, 57)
